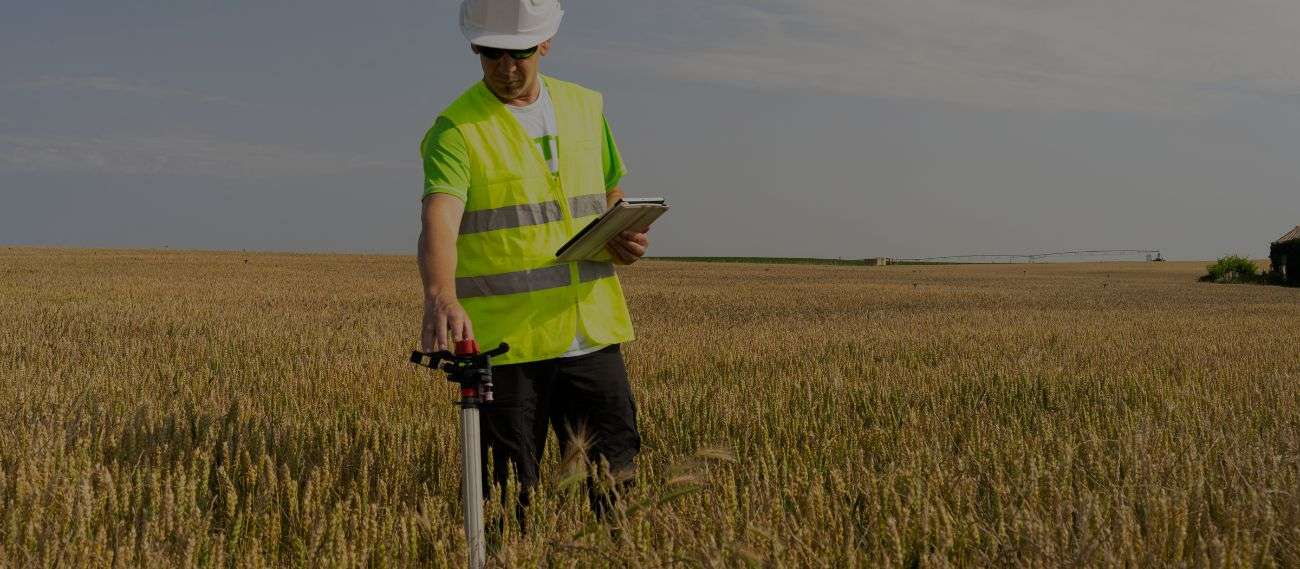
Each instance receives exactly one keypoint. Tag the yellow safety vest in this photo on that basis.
(517, 214)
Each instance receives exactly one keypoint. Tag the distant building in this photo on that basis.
(1285, 257)
(882, 261)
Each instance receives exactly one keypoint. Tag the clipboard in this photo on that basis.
(627, 213)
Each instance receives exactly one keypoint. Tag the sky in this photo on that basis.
(821, 128)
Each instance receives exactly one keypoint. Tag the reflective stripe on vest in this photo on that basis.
(512, 216)
(590, 204)
(509, 217)
(531, 280)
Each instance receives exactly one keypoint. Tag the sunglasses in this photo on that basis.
(494, 53)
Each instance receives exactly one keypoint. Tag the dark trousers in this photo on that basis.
(586, 396)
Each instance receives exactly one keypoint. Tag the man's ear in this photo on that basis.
(544, 47)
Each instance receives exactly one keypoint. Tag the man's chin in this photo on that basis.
(507, 92)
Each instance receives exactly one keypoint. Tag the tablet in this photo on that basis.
(627, 213)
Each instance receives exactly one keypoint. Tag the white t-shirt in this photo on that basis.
(538, 120)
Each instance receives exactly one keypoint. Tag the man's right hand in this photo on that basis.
(444, 320)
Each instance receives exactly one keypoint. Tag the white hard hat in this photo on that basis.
(509, 24)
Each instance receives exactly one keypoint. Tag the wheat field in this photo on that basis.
(178, 409)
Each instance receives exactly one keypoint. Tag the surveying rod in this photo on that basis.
(473, 372)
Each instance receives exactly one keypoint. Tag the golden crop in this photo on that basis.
(172, 409)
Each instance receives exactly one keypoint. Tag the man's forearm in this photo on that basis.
(437, 246)
(437, 264)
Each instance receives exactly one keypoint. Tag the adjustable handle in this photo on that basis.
(466, 354)
(499, 350)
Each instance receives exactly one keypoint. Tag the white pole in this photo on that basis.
(472, 485)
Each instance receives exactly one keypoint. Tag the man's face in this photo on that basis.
(509, 78)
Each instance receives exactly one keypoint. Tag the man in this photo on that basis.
(514, 167)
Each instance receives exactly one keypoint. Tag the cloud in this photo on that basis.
(119, 86)
(1153, 56)
(175, 156)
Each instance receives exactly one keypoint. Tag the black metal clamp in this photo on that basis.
(467, 367)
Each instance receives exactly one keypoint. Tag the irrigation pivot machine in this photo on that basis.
(473, 372)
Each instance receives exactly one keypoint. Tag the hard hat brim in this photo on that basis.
(486, 38)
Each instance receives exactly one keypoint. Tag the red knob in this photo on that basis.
(466, 348)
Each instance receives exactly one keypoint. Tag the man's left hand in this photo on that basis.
(629, 246)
